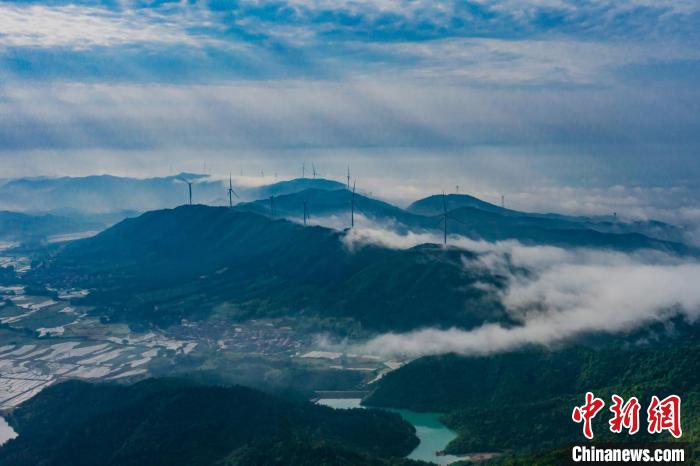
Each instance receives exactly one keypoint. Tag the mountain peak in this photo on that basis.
(433, 205)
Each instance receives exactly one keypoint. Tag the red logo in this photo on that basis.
(665, 415)
(625, 415)
(662, 415)
(587, 412)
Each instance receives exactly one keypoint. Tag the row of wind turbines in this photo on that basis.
(231, 193)
(444, 217)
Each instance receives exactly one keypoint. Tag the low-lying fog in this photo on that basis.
(568, 292)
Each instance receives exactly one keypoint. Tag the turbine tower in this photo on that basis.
(303, 169)
(313, 169)
(503, 201)
(189, 185)
(352, 207)
(231, 192)
(306, 215)
(348, 177)
(444, 218)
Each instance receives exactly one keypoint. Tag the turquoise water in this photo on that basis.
(341, 403)
(6, 432)
(432, 433)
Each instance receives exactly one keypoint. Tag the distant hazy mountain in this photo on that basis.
(323, 203)
(471, 217)
(172, 264)
(19, 227)
(106, 193)
(289, 187)
(171, 423)
(434, 206)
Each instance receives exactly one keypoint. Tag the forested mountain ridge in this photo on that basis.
(173, 422)
(522, 401)
(183, 263)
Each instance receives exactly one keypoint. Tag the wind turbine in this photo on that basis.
(352, 207)
(348, 177)
(313, 169)
(303, 169)
(189, 185)
(444, 218)
(306, 215)
(231, 192)
(503, 201)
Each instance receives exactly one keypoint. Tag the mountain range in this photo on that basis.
(473, 218)
(25, 228)
(104, 193)
(327, 202)
(517, 403)
(257, 260)
(190, 261)
(174, 422)
(112, 194)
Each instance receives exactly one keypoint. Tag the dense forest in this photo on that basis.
(194, 260)
(521, 402)
(173, 422)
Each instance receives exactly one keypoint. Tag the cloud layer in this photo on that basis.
(564, 294)
(523, 96)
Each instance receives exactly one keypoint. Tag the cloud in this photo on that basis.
(551, 102)
(566, 293)
(373, 234)
(483, 42)
(80, 27)
(565, 61)
(304, 113)
(400, 19)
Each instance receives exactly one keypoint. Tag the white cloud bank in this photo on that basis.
(568, 293)
(78, 27)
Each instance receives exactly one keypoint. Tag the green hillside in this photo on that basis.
(171, 422)
(194, 260)
(522, 401)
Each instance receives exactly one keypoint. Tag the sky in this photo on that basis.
(578, 106)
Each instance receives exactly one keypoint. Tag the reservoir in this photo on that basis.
(6, 432)
(433, 434)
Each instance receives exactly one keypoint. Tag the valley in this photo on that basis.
(349, 232)
(220, 296)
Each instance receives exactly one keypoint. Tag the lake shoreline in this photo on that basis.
(434, 436)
